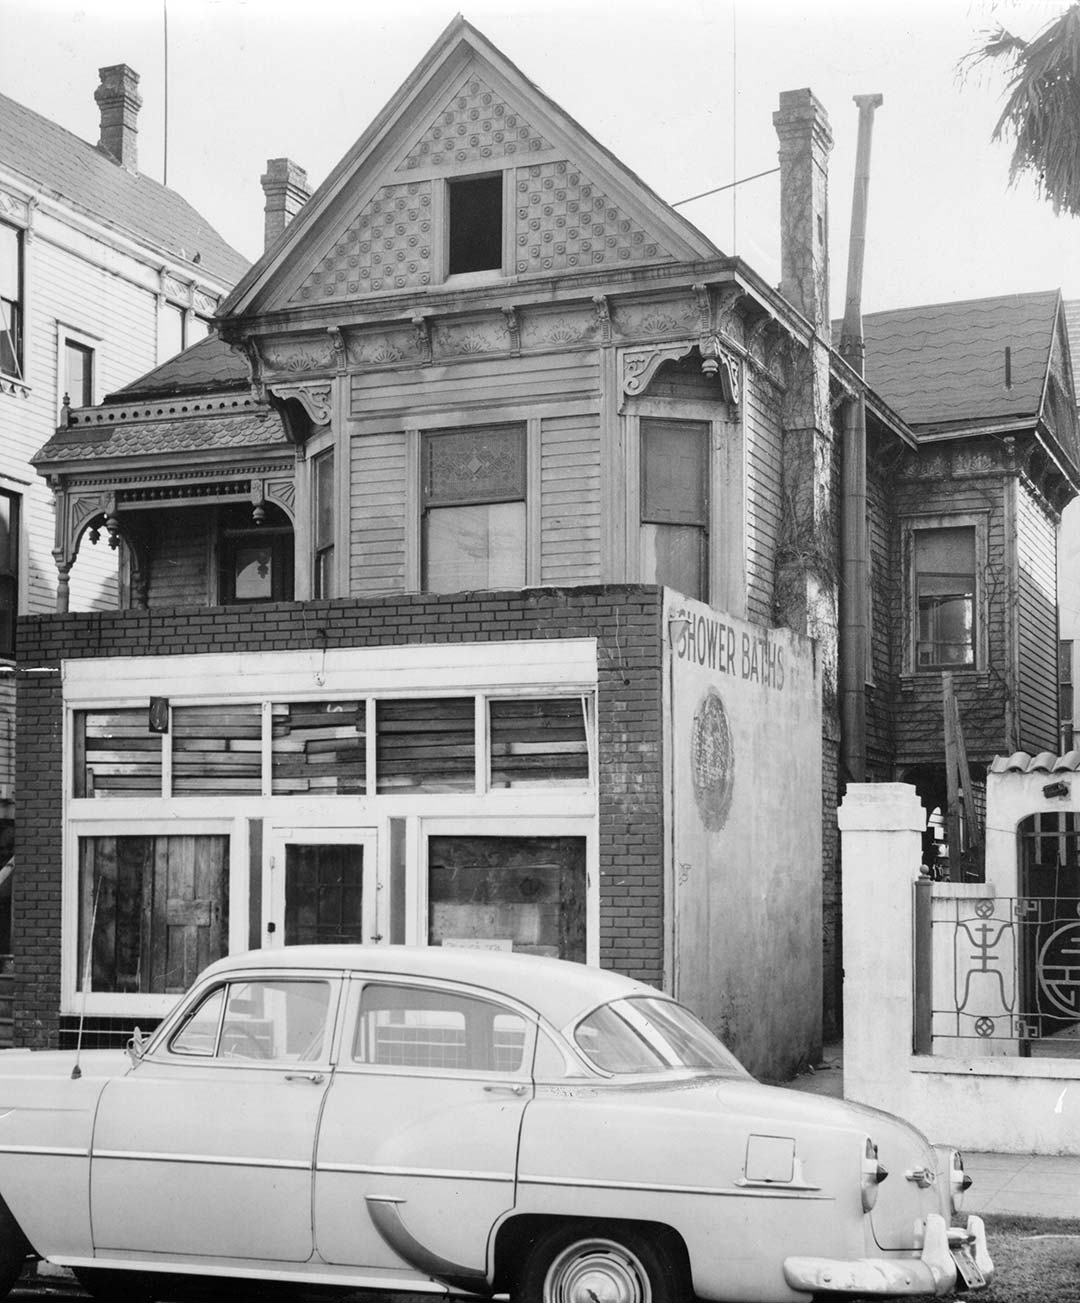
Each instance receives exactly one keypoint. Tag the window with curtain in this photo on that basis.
(473, 499)
(944, 584)
(675, 505)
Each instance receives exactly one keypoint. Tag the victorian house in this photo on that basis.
(481, 586)
(103, 273)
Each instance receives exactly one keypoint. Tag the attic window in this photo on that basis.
(476, 224)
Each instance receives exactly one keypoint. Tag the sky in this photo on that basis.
(682, 92)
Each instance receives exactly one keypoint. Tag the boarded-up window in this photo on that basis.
(426, 745)
(116, 754)
(675, 504)
(521, 893)
(474, 509)
(538, 742)
(217, 750)
(152, 909)
(318, 746)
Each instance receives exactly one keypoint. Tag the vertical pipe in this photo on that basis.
(854, 546)
(922, 968)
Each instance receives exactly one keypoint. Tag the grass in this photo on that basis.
(1036, 1260)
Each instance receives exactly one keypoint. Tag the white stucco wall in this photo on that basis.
(998, 1102)
(744, 768)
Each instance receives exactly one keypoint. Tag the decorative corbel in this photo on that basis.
(258, 501)
(718, 361)
(422, 325)
(780, 356)
(755, 337)
(728, 297)
(704, 307)
(639, 365)
(341, 354)
(247, 350)
(603, 317)
(513, 328)
(316, 400)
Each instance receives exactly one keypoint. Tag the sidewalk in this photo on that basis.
(1028, 1185)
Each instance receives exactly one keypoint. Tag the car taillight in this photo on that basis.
(872, 1176)
(959, 1181)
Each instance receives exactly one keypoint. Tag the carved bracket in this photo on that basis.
(639, 365)
(423, 337)
(719, 361)
(315, 399)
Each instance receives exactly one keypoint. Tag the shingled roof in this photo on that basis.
(210, 366)
(59, 164)
(945, 364)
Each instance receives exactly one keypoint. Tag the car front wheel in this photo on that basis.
(603, 1264)
(14, 1249)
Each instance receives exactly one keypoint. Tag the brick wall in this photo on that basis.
(625, 620)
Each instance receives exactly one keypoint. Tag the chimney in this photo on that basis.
(119, 101)
(286, 189)
(805, 140)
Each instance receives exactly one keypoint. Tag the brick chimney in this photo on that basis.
(119, 101)
(805, 141)
(286, 189)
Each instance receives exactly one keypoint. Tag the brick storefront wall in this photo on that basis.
(625, 620)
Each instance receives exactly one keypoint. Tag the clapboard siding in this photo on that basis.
(475, 385)
(378, 496)
(570, 551)
(763, 496)
(180, 571)
(1037, 610)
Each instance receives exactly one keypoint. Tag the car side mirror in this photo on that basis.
(136, 1046)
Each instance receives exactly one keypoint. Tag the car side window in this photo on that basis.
(421, 1027)
(266, 1020)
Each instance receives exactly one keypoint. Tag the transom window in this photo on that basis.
(11, 300)
(320, 747)
(944, 582)
(675, 504)
(474, 509)
(475, 236)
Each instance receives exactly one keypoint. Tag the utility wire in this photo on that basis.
(730, 185)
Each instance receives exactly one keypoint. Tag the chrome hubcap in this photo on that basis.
(596, 1271)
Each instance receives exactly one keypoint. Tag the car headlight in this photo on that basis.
(872, 1175)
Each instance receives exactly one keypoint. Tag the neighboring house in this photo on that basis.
(1069, 582)
(103, 273)
(987, 387)
(493, 601)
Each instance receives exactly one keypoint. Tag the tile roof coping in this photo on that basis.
(1044, 763)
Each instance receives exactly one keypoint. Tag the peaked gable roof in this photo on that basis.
(945, 364)
(374, 226)
(80, 176)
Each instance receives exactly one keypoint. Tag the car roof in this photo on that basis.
(556, 988)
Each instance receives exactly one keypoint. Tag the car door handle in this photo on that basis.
(316, 1078)
(506, 1089)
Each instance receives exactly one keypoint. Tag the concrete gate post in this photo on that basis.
(881, 826)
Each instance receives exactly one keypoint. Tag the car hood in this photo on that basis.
(92, 1064)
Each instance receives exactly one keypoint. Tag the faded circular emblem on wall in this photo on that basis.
(712, 761)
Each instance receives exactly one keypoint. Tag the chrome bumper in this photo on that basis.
(933, 1272)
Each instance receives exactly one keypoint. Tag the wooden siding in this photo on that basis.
(570, 546)
(377, 514)
(484, 387)
(180, 564)
(764, 438)
(1037, 624)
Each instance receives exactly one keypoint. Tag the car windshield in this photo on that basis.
(651, 1035)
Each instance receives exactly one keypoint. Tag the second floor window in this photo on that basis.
(9, 571)
(475, 224)
(675, 505)
(944, 587)
(474, 511)
(255, 560)
(322, 524)
(78, 373)
(11, 301)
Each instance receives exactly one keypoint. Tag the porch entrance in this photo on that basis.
(321, 887)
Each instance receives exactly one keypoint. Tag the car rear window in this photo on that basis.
(645, 1035)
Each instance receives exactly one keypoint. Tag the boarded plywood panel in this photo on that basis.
(570, 500)
(318, 746)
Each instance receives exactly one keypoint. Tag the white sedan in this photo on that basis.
(464, 1122)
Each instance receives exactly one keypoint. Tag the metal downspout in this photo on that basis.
(854, 544)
